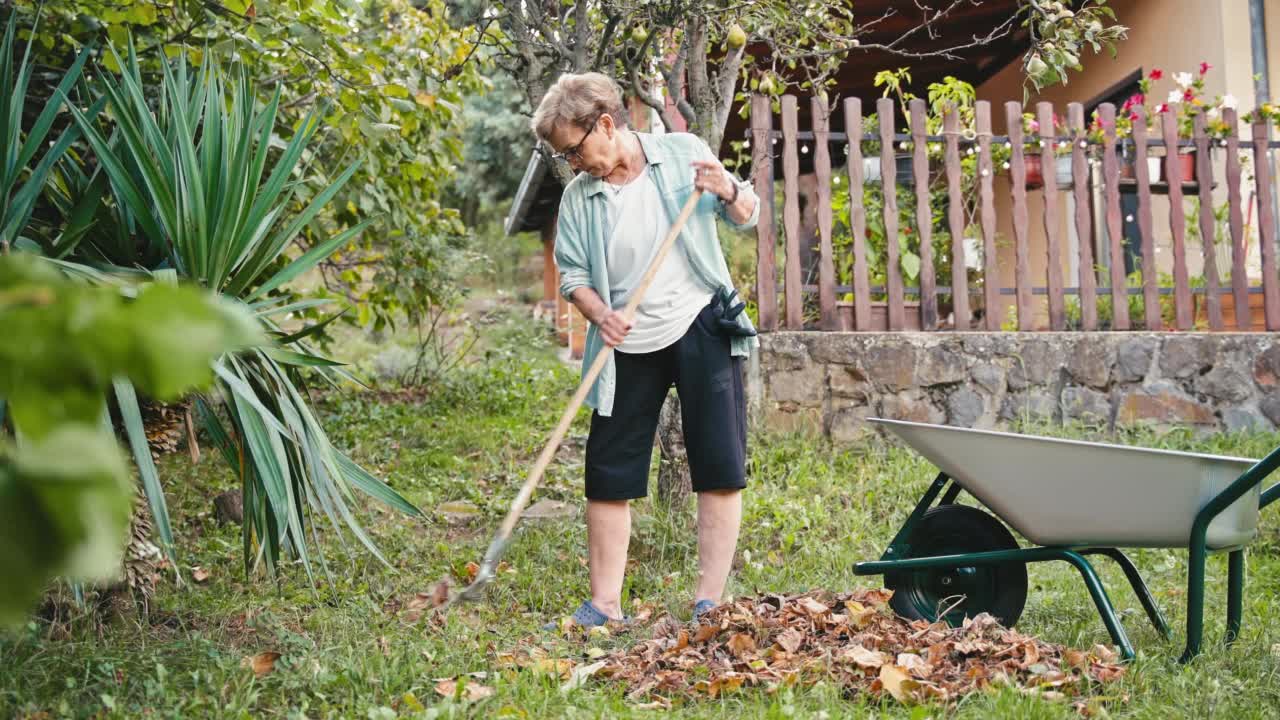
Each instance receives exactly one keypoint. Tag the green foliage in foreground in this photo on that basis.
(198, 181)
(65, 495)
(811, 511)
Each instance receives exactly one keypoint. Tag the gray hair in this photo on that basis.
(578, 99)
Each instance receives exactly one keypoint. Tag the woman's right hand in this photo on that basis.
(614, 327)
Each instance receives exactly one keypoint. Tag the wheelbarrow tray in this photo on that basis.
(1073, 493)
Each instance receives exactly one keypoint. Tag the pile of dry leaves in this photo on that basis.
(854, 640)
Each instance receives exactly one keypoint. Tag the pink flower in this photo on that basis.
(1164, 108)
(1156, 74)
(1133, 116)
(1188, 95)
(1204, 67)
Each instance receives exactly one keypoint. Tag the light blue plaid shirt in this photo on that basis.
(583, 227)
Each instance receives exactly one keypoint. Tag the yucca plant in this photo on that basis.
(22, 178)
(194, 165)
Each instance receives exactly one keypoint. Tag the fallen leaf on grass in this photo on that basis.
(470, 691)
(440, 593)
(560, 667)
(705, 632)
(199, 574)
(790, 639)
(914, 664)
(741, 644)
(723, 683)
(862, 657)
(421, 602)
(898, 683)
(580, 675)
(812, 606)
(1075, 658)
(457, 511)
(262, 663)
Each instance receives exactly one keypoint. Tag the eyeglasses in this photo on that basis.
(575, 152)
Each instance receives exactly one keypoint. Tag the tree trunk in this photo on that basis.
(674, 482)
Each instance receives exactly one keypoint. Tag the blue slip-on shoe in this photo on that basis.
(587, 616)
(702, 607)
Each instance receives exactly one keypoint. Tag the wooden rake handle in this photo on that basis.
(526, 492)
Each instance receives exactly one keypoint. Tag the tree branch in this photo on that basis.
(582, 33)
(638, 89)
(606, 39)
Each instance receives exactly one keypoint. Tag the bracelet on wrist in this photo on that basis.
(733, 199)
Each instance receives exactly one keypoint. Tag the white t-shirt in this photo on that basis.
(638, 225)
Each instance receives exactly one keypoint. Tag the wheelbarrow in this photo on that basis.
(1072, 499)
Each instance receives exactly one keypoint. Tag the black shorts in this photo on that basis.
(713, 414)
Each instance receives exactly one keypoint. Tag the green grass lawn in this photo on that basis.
(345, 651)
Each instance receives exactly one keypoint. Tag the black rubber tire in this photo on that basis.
(948, 530)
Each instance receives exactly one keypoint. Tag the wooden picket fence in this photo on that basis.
(763, 136)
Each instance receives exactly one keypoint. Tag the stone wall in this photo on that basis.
(832, 382)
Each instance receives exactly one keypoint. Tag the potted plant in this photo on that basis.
(1031, 158)
(1061, 151)
(1186, 101)
(871, 156)
(1125, 117)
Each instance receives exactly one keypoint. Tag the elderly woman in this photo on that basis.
(686, 331)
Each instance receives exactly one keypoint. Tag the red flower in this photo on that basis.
(1156, 74)
(1133, 117)
(1188, 95)
(1204, 67)
(1164, 108)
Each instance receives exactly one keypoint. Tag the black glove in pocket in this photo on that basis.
(725, 312)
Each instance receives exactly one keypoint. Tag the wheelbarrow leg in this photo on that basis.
(1235, 593)
(1139, 587)
(949, 497)
(1195, 600)
(897, 547)
(1100, 599)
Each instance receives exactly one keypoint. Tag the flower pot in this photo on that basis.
(1062, 171)
(1035, 171)
(1227, 302)
(1187, 166)
(902, 170)
(879, 315)
(1154, 165)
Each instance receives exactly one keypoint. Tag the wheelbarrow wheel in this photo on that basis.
(957, 592)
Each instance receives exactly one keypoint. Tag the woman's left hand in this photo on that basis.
(710, 176)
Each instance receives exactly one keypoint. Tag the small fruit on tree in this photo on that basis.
(737, 36)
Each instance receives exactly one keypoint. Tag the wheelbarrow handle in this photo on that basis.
(500, 540)
(1269, 496)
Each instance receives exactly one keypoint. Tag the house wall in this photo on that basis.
(1173, 35)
